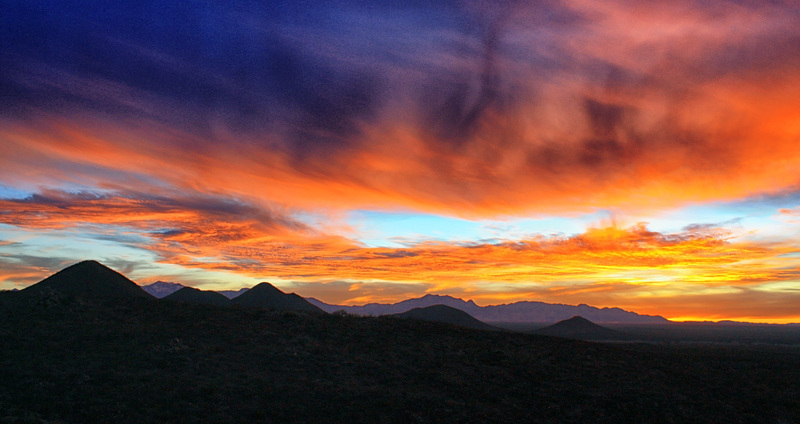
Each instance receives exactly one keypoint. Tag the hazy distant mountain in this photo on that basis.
(89, 279)
(230, 294)
(547, 312)
(580, 328)
(406, 305)
(446, 314)
(161, 289)
(265, 295)
(515, 312)
(193, 295)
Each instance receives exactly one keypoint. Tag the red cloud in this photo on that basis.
(542, 108)
(609, 105)
(612, 266)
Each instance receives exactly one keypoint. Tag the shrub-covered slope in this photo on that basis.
(133, 361)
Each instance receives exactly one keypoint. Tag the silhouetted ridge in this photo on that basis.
(525, 311)
(580, 328)
(89, 279)
(193, 295)
(265, 295)
(446, 314)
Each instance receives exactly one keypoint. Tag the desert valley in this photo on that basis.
(88, 345)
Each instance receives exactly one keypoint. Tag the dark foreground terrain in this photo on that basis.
(139, 360)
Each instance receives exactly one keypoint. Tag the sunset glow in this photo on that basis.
(640, 155)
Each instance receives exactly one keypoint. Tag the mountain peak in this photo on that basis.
(88, 278)
(445, 314)
(432, 299)
(265, 295)
(578, 321)
(580, 328)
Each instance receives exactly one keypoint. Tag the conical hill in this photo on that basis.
(581, 328)
(446, 314)
(88, 279)
(265, 295)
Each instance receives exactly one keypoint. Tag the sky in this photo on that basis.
(633, 154)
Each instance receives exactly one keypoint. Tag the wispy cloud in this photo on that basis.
(610, 265)
(23, 269)
(519, 108)
(168, 129)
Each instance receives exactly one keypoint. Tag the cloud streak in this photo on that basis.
(206, 132)
(523, 108)
(609, 265)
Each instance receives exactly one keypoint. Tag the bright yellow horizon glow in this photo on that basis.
(754, 320)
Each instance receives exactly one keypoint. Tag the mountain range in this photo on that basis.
(519, 312)
(81, 346)
(91, 279)
(85, 278)
(161, 289)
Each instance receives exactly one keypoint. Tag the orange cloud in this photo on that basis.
(617, 105)
(532, 109)
(629, 267)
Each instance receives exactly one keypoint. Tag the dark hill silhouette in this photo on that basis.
(88, 279)
(247, 365)
(581, 328)
(265, 295)
(446, 314)
(193, 295)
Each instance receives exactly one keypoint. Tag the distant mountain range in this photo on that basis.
(161, 289)
(91, 278)
(529, 312)
(519, 312)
